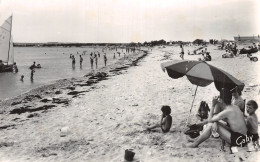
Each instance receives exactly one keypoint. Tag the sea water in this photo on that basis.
(56, 64)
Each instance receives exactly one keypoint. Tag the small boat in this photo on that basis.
(6, 47)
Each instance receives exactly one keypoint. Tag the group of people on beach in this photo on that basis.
(205, 54)
(94, 56)
(226, 120)
(229, 46)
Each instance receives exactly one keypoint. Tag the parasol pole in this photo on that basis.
(188, 120)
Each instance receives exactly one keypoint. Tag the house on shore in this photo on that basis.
(247, 38)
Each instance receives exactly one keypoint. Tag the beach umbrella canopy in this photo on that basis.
(202, 74)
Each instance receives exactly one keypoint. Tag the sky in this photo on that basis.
(124, 21)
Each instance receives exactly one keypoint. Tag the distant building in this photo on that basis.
(247, 38)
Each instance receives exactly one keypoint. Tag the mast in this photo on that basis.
(10, 38)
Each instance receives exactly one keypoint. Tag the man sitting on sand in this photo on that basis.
(252, 121)
(166, 120)
(235, 135)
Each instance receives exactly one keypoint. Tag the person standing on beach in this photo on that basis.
(114, 56)
(182, 52)
(105, 59)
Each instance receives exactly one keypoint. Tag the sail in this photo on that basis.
(5, 36)
(11, 53)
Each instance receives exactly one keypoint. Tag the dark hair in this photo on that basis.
(253, 103)
(226, 96)
(166, 109)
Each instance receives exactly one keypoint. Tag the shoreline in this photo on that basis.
(48, 89)
(87, 121)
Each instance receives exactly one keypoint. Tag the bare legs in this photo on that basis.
(223, 132)
(205, 135)
(153, 126)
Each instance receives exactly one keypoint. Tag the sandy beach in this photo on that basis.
(107, 111)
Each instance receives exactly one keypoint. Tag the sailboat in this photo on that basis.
(6, 47)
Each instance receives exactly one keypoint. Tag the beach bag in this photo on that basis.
(194, 130)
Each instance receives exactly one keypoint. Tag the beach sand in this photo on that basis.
(98, 117)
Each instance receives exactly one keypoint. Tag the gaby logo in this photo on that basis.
(242, 140)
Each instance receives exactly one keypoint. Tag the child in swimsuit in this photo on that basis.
(166, 120)
(252, 121)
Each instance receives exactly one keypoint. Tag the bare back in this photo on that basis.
(166, 123)
(235, 119)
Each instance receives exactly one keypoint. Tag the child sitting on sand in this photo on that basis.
(166, 120)
(252, 121)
